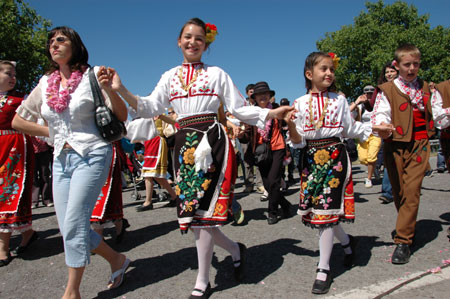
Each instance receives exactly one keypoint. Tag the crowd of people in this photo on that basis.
(194, 147)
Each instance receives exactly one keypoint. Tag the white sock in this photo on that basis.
(204, 241)
(326, 237)
(221, 240)
(342, 236)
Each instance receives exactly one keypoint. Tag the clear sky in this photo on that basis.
(259, 40)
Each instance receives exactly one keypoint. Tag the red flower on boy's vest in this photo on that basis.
(403, 106)
(399, 130)
(419, 159)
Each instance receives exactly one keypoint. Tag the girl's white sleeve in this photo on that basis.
(299, 123)
(237, 105)
(157, 102)
(441, 116)
(353, 128)
(381, 111)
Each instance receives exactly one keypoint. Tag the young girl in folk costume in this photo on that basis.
(326, 194)
(204, 172)
(16, 169)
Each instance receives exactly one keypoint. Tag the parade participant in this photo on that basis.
(16, 170)
(440, 102)
(63, 98)
(202, 149)
(271, 169)
(326, 192)
(404, 107)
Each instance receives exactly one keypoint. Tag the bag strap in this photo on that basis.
(271, 130)
(96, 91)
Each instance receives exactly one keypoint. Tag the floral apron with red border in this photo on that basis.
(203, 198)
(326, 192)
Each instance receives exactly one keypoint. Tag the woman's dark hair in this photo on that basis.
(382, 78)
(80, 54)
(313, 59)
(193, 21)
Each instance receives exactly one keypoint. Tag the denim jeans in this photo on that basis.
(386, 188)
(77, 182)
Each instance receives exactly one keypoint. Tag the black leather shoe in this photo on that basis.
(143, 208)
(125, 225)
(239, 271)
(6, 261)
(272, 220)
(204, 294)
(349, 259)
(21, 249)
(320, 286)
(401, 254)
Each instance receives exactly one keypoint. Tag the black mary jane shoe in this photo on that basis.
(349, 259)
(21, 249)
(240, 271)
(6, 261)
(204, 294)
(320, 286)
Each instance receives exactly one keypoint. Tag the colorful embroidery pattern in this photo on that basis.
(319, 179)
(8, 185)
(191, 185)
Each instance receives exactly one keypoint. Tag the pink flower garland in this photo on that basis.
(265, 133)
(59, 101)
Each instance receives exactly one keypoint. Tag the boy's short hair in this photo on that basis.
(406, 49)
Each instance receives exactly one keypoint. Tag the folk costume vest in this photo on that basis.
(407, 122)
(444, 90)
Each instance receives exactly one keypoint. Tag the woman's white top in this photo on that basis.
(441, 116)
(75, 125)
(211, 87)
(337, 122)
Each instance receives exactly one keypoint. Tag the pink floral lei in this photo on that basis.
(265, 132)
(59, 101)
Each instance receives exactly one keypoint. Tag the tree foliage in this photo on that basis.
(367, 45)
(23, 36)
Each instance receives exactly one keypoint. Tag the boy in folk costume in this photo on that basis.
(402, 116)
(440, 101)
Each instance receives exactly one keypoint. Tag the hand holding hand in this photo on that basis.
(280, 112)
(384, 130)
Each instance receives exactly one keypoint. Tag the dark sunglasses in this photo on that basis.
(59, 39)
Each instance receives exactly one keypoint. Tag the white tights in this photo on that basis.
(205, 239)
(326, 236)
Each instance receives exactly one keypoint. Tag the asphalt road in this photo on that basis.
(281, 258)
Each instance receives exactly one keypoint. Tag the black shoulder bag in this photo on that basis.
(110, 128)
(263, 152)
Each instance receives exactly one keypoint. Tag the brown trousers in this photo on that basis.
(406, 163)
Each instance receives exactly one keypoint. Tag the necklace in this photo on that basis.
(319, 123)
(194, 78)
(59, 101)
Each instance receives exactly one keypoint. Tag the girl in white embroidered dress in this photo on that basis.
(323, 118)
(195, 89)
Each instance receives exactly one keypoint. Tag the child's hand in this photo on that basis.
(290, 116)
(432, 86)
(279, 113)
(384, 130)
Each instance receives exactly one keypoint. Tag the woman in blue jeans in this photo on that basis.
(63, 98)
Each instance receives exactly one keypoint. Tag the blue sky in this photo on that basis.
(259, 40)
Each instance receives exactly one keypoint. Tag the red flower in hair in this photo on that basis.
(335, 59)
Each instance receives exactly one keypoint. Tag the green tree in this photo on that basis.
(370, 42)
(23, 36)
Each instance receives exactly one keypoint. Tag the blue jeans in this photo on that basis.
(386, 187)
(77, 182)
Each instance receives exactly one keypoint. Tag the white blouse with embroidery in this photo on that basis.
(441, 116)
(209, 86)
(337, 121)
(75, 125)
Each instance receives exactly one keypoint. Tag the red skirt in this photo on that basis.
(16, 180)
